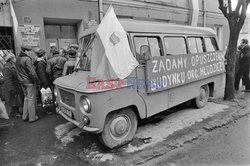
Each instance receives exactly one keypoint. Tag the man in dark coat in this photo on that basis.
(55, 65)
(28, 78)
(40, 65)
(11, 86)
(244, 65)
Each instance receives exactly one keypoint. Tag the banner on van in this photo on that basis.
(115, 42)
(166, 72)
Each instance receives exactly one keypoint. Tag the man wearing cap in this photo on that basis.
(40, 65)
(244, 65)
(70, 63)
(28, 78)
(55, 65)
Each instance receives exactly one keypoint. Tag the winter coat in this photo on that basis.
(40, 65)
(245, 56)
(26, 70)
(69, 66)
(55, 66)
(1, 80)
(11, 86)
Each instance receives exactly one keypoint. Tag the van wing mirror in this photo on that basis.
(144, 53)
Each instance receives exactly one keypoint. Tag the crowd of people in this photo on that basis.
(23, 76)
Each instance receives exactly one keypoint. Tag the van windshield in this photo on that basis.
(92, 47)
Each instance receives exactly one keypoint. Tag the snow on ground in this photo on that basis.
(174, 122)
(157, 132)
(66, 132)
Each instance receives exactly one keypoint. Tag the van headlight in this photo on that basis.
(85, 104)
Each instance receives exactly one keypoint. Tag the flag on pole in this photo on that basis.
(115, 42)
(16, 33)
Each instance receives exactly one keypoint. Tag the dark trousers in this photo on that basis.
(243, 73)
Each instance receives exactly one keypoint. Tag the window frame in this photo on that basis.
(179, 36)
(202, 42)
(217, 47)
(158, 37)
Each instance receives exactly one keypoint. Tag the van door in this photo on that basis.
(148, 47)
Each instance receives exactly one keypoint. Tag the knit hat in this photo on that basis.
(40, 53)
(72, 53)
(74, 46)
(26, 48)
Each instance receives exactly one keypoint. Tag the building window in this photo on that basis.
(60, 31)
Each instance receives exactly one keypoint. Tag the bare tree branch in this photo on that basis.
(223, 8)
(239, 4)
(243, 12)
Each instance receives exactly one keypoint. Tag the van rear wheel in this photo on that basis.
(201, 100)
(119, 129)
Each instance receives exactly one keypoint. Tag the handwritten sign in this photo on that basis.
(30, 34)
(170, 71)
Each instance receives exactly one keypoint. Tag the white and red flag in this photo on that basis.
(16, 32)
(115, 42)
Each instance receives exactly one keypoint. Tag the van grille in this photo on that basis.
(67, 98)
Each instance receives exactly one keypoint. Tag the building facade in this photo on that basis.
(245, 31)
(43, 23)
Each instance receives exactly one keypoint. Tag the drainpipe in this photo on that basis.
(204, 8)
(100, 10)
(195, 12)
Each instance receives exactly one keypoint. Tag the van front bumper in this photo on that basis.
(78, 124)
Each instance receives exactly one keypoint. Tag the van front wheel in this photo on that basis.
(201, 100)
(120, 127)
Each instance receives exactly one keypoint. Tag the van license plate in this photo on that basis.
(67, 112)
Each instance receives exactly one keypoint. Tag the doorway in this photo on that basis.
(60, 32)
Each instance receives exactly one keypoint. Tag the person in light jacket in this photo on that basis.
(70, 63)
(28, 78)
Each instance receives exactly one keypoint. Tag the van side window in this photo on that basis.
(211, 44)
(195, 45)
(175, 45)
(152, 42)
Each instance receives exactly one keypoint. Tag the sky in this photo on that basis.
(234, 3)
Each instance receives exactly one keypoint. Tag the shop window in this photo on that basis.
(175, 45)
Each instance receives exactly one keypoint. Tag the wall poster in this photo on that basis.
(30, 34)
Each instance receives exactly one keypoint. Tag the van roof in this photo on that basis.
(140, 26)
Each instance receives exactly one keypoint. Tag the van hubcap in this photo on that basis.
(203, 95)
(120, 126)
